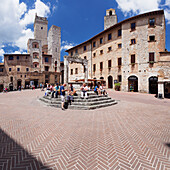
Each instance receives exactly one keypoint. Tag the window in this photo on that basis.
(46, 68)
(119, 77)
(76, 51)
(151, 57)
(110, 13)
(21, 76)
(17, 57)
(152, 22)
(56, 50)
(85, 57)
(35, 46)
(133, 26)
(76, 70)
(10, 69)
(46, 59)
(109, 63)
(35, 65)
(119, 61)
(101, 40)
(94, 67)
(120, 45)
(18, 69)
(25, 76)
(119, 32)
(42, 28)
(11, 79)
(84, 48)
(71, 71)
(133, 59)
(109, 48)
(109, 36)
(84, 69)
(101, 66)
(101, 51)
(133, 41)
(46, 76)
(71, 53)
(27, 69)
(151, 38)
(94, 44)
(94, 54)
(26, 57)
(10, 57)
(1, 69)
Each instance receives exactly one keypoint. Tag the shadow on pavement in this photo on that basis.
(13, 156)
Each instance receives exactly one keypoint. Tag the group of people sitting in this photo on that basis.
(57, 90)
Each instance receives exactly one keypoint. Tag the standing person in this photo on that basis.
(62, 93)
(57, 89)
(84, 90)
(71, 93)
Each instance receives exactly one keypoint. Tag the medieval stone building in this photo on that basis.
(131, 52)
(40, 65)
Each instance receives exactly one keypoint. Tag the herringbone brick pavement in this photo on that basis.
(134, 134)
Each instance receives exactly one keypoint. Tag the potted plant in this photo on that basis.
(117, 86)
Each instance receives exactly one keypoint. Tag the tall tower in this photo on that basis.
(54, 45)
(110, 19)
(40, 29)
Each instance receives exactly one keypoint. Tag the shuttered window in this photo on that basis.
(133, 58)
(119, 61)
(151, 57)
(101, 65)
(94, 67)
(109, 63)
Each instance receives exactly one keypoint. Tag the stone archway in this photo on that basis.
(110, 82)
(133, 84)
(153, 85)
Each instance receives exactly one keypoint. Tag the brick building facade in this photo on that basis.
(40, 65)
(131, 52)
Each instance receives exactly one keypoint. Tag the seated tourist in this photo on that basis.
(52, 89)
(84, 90)
(102, 90)
(96, 89)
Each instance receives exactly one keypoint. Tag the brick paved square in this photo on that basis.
(134, 134)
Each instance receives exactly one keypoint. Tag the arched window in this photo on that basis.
(35, 55)
(110, 13)
(35, 45)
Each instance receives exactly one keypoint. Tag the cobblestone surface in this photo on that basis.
(134, 134)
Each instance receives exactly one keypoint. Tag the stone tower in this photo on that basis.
(110, 19)
(54, 45)
(40, 29)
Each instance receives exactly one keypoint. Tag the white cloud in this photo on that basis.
(15, 18)
(66, 45)
(40, 8)
(2, 52)
(26, 34)
(141, 6)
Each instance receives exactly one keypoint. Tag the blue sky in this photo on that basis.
(79, 20)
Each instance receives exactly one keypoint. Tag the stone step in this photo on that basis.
(82, 107)
(92, 103)
(78, 97)
(81, 101)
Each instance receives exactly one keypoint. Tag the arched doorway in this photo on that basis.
(153, 85)
(110, 82)
(1, 87)
(19, 82)
(133, 84)
(11, 86)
